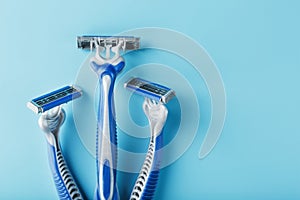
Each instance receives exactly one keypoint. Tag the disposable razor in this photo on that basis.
(107, 67)
(51, 119)
(155, 96)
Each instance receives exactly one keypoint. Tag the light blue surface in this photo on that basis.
(256, 46)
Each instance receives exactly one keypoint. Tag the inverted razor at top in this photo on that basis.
(107, 66)
(89, 42)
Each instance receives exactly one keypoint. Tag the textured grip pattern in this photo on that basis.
(65, 184)
(145, 185)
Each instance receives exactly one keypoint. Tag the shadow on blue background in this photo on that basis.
(256, 46)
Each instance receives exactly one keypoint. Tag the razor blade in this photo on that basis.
(53, 99)
(150, 90)
(89, 42)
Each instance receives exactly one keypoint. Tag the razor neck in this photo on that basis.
(113, 64)
(107, 68)
(50, 122)
(157, 115)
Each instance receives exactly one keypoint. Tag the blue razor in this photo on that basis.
(51, 119)
(155, 96)
(53, 99)
(107, 67)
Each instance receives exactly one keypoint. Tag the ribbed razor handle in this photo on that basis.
(145, 185)
(65, 184)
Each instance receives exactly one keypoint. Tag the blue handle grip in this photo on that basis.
(106, 138)
(145, 185)
(64, 182)
(152, 180)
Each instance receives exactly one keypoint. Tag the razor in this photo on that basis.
(107, 63)
(51, 119)
(156, 96)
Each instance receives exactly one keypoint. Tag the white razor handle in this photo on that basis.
(145, 185)
(106, 136)
(107, 141)
(50, 123)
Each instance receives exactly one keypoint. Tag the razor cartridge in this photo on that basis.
(150, 90)
(90, 42)
(53, 99)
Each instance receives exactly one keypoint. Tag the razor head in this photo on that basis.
(150, 90)
(53, 99)
(89, 42)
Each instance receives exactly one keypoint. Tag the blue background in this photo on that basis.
(255, 45)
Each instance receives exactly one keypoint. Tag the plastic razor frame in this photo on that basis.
(155, 95)
(53, 99)
(150, 90)
(107, 66)
(91, 42)
(50, 121)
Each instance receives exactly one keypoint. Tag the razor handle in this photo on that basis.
(64, 182)
(106, 136)
(144, 188)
